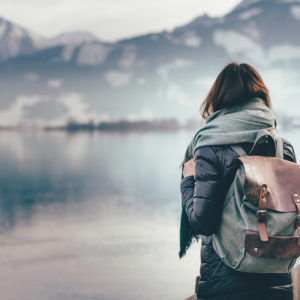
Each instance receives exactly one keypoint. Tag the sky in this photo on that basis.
(109, 20)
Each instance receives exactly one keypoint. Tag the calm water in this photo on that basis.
(94, 216)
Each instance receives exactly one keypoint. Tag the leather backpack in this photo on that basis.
(259, 230)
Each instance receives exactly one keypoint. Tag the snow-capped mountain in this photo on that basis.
(66, 38)
(17, 41)
(14, 40)
(157, 75)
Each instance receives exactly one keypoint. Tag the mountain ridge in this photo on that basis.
(156, 75)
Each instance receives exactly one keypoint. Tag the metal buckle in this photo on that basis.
(261, 215)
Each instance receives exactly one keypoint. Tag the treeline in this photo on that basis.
(285, 122)
(127, 125)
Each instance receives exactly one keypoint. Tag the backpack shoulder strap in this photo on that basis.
(279, 147)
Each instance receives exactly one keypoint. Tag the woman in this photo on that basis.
(236, 108)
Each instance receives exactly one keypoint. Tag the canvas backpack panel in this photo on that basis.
(260, 224)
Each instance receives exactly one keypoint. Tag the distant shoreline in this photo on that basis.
(161, 125)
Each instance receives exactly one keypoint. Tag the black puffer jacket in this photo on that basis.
(202, 196)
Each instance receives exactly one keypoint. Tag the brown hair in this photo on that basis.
(236, 83)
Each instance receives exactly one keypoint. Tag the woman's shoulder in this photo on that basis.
(220, 156)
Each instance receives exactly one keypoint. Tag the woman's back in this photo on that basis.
(203, 197)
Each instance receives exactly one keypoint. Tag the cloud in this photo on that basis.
(41, 110)
(175, 94)
(284, 88)
(170, 38)
(295, 12)
(14, 113)
(146, 114)
(191, 39)
(284, 52)
(235, 43)
(54, 83)
(205, 82)
(33, 77)
(242, 46)
(163, 71)
(251, 30)
(117, 79)
(141, 81)
(250, 13)
(77, 108)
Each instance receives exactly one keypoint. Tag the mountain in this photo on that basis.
(14, 40)
(156, 75)
(66, 38)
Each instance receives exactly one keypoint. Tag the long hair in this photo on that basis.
(236, 83)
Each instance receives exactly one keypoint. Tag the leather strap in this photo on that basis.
(296, 199)
(262, 213)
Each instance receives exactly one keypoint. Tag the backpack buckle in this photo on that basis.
(262, 214)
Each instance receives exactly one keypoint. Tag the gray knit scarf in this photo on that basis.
(234, 125)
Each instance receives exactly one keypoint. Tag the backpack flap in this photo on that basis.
(281, 177)
(272, 185)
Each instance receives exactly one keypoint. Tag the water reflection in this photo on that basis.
(93, 216)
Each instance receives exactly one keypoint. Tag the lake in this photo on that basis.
(94, 216)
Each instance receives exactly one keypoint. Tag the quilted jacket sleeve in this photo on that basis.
(202, 194)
